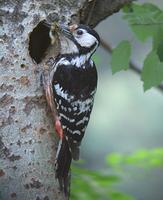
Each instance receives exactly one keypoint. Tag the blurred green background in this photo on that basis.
(124, 118)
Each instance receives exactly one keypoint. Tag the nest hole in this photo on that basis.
(39, 41)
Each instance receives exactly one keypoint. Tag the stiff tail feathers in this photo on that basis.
(62, 165)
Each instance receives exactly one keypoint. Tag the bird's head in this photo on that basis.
(79, 39)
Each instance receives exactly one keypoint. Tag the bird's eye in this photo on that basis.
(79, 32)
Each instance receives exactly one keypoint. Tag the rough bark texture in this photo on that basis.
(27, 139)
(95, 11)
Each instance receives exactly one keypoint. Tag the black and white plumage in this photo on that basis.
(74, 82)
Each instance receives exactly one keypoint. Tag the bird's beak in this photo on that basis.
(66, 31)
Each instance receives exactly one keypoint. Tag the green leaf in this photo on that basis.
(160, 51)
(114, 159)
(157, 38)
(144, 158)
(158, 43)
(144, 20)
(121, 57)
(152, 74)
(120, 196)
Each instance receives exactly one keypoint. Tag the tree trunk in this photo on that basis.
(27, 140)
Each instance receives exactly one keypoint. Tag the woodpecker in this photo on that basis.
(73, 83)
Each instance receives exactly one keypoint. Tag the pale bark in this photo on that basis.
(27, 139)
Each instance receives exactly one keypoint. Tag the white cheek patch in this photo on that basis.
(86, 40)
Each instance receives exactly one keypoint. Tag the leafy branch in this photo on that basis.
(146, 22)
(141, 158)
(100, 184)
(92, 184)
(132, 66)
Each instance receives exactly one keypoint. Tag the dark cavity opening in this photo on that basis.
(39, 41)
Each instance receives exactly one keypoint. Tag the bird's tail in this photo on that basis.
(62, 165)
